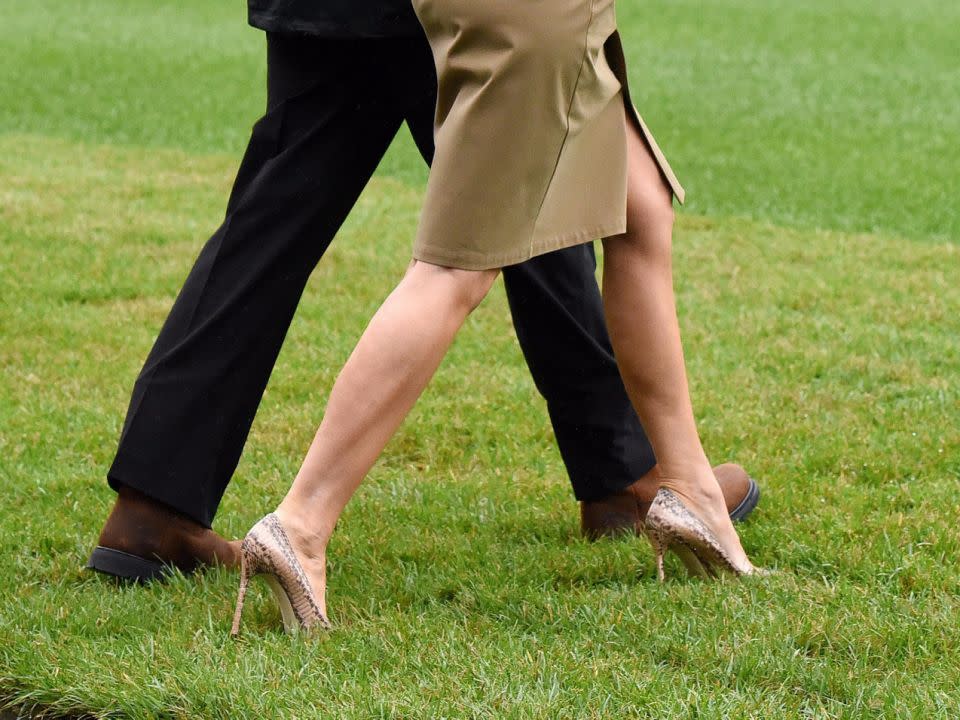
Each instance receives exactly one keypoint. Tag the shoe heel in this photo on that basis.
(656, 541)
(241, 594)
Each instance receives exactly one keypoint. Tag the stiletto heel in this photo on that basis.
(670, 525)
(241, 596)
(656, 541)
(266, 550)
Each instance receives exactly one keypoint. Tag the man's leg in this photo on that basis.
(558, 315)
(328, 123)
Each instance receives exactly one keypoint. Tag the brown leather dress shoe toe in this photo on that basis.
(143, 540)
(625, 511)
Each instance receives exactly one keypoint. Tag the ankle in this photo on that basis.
(309, 541)
(696, 483)
(691, 472)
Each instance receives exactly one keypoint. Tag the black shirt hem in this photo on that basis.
(279, 24)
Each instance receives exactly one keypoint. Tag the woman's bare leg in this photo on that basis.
(391, 365)
(642, 319)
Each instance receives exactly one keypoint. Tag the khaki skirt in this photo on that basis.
(530, 130)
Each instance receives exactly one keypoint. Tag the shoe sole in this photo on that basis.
(748, 504)
(125, 566)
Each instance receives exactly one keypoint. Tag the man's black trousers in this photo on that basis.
(333, 108)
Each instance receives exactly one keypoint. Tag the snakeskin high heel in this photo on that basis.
(266, 551)
(670, 525)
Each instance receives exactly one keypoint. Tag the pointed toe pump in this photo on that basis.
(670, 525)
(266, 550)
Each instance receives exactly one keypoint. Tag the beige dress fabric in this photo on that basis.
(530, 131)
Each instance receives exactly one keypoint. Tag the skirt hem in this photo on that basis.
(483, 261)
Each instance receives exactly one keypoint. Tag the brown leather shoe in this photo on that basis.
(624, 512)
(143, 539)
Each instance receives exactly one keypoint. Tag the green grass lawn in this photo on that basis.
(817, 271)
